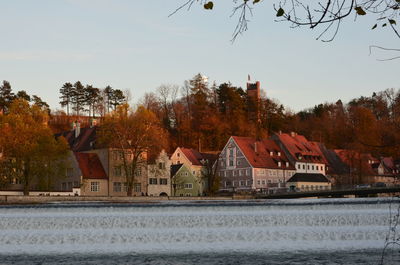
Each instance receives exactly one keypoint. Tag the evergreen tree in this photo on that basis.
(66, 95)
(78, 97)
(117, 98)
(23, 95)
(6, 96)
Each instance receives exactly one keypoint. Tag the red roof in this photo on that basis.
(356, 160)
(90, 166)
(258, 153)
(195, 157)
(301, 149)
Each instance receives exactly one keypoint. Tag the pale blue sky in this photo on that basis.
(134, 45)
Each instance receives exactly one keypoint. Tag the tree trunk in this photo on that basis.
(26, 178)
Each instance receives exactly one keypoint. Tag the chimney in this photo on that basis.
(77, 129)
(293, 134)
(255, 147)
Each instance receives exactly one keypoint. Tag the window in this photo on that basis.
(95, 186)
(287, 164)
(312, 167)
(178, 154)
(240, 172)
(194, 173)
(279, 164)
(258, 182)
(242, 183)
(69, 186)
(271, 153)
(64, 186)
(188, 186)
(238, 163)
(179, 162)
(137, 187)
(138, 171)
(70, 172)
(304, 167)
(76, 184)
(163, 181)
(308, 166)
(317, 167)
(227, 183)
(263, 181)
(247, 172)
(279, 153)
(222, 163)
(117, 186)
(234, 172)
(117, 171)
(231, 157)
(152, 181)
(161, 165)
(269, 181)
(125, 187)
(249, 182)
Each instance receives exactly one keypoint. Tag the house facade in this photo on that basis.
(183, 182)
(303, 154)
(111, 161)
(308, 182)
(246, 164)
(199, 164)
(159, 176)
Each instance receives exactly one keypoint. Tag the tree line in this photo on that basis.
(7, 96)
(89, 99)
(204, 116)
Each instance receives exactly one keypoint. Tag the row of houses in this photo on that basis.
(283, 162)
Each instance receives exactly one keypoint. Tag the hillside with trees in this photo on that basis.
(203, 116)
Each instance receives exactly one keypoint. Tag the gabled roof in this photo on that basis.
(301, 149)
(335, 165)
(358, 161)
(90, 166)
(175, 169)
(84, 142)
(196, 158)
(258, 155)
(308, 177)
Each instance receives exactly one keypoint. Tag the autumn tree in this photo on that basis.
(29, 146)
(136, 134)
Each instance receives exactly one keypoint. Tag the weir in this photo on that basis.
(220, 228)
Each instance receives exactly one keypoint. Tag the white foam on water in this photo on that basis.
(169, 229)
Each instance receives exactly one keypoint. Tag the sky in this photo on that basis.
(134, 45)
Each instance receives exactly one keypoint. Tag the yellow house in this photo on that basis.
(308, 182)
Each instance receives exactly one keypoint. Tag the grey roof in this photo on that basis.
(308, 177)
(175, 168)
(336, 165)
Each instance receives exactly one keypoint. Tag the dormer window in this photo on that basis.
(178, 154)
(287, 164)
(279, 153)
(271, 153)
(279, 163)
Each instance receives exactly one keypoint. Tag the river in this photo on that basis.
(312, 231)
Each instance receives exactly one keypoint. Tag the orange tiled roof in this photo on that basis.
(258, 153)
(90, 166)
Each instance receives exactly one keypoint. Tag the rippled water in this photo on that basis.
(264, 232)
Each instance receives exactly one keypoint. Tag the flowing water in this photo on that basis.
(330, 231)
